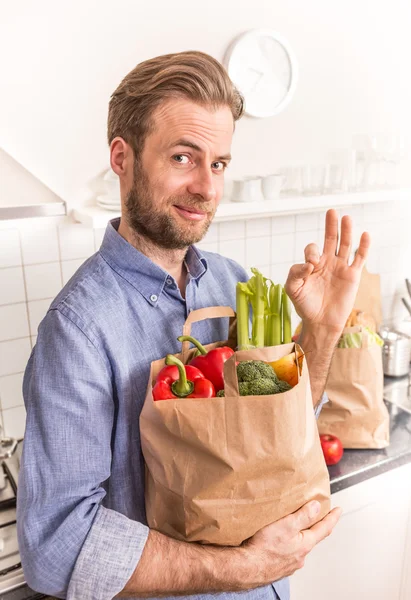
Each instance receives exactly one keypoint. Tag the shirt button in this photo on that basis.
(169, 281)
(153, 298)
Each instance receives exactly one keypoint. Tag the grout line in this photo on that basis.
(25, 289)
(59, 252)
(13, 407)
(19, 373)
(37, 264)
(10, 374)
(26, 337)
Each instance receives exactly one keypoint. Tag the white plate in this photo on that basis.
(113, 207)
(109, 200)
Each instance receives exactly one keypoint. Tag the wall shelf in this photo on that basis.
(97, 218)
(29, 210)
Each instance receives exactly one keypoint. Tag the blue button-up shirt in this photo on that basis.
(81, 515)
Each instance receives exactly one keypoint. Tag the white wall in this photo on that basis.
(60, 64)
(63, 60)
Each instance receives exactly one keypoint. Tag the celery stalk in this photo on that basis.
(258, 306)
(277, 302)
(286, 318)
(242, 306)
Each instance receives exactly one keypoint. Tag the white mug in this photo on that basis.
(247, 190)
(272, 185)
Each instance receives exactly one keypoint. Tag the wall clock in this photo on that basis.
(262, 65)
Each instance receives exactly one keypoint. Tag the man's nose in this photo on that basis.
(203, 185)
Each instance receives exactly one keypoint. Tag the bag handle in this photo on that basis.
(210, 312)
(230, 377)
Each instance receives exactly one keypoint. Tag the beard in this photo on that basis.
(159, 226)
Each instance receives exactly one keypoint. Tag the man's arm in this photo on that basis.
(323, 292)
(70, 545)
(318, 344)
(169, 567)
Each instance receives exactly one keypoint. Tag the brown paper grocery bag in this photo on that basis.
(356, 412)
(368, 296)
(220, 469)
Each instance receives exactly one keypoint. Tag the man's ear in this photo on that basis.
(121, 157)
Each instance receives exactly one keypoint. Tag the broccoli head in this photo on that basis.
(242, 389)
(283, 386)
(263, 387)
(257, 378)
(249, 370)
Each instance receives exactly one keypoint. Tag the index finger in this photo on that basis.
(322, 529)
(331, 232)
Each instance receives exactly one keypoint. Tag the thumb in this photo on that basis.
(297, 275)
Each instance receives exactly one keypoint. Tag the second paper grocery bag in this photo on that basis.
(220, 469)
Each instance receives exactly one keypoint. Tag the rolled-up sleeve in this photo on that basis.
(71, 546)
(318, 408)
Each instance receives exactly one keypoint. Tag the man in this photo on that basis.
(81, 518)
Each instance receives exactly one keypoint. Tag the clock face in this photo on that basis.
(262, 66)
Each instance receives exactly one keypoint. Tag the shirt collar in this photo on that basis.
(139, 270)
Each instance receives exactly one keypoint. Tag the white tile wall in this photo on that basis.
(76, 241)
(39, 256)
(12, 285)
(10, 249)
(43, 281)
(69, 267)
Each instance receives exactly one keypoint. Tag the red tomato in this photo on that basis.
(332, 449)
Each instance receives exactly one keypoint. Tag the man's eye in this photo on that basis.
(181, 159)
(219, 165)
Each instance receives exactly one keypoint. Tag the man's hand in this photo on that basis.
(323, 290)
(168, 567)
(279, 549)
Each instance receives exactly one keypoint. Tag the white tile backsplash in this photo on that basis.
(257, 251)
(52, 252)
(285, 224)
(12, 285)
(98, 238)
(257, 227)
(10, 251)
(76, 241)
(306, 222)
(43, 281)
(14, 421)
(37, 311)
(279, 272)
(208, 247)
(282, 247)
(234, 249)
(40, 245)
(232, 230)
(11, 393)
(212, 234)
(69, 267)
(14, 355)
(302, 239)
(13, 321)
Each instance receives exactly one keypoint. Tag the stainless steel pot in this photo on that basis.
(396, 352)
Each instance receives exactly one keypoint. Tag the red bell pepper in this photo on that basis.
(210, 363)
(181, 381)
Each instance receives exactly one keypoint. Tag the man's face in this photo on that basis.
(179, 176)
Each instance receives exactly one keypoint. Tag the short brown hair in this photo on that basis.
(192, 75)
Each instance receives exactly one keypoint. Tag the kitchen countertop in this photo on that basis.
(358, 465)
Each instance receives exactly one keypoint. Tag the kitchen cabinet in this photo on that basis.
(368, 556)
